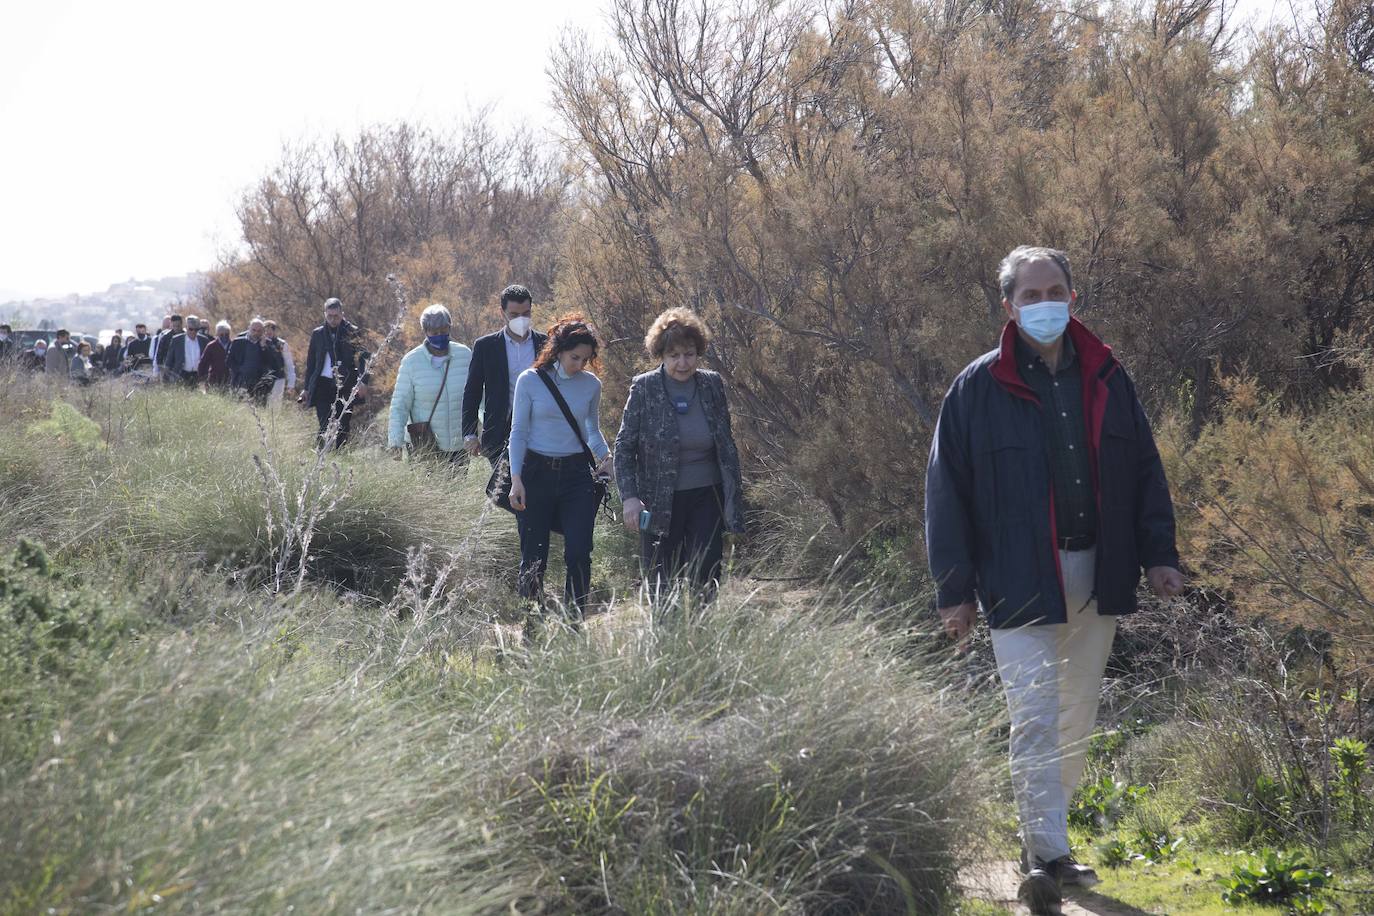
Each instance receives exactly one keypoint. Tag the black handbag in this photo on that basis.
(498, 484)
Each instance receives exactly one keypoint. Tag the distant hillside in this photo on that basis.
(121, 305)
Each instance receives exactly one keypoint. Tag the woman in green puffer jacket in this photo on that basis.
(424, 394)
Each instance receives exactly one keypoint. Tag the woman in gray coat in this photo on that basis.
(676, 464)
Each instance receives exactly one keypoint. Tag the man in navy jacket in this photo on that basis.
(1045, 498)
(496, 360)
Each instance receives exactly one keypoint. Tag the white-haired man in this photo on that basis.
(254, 363)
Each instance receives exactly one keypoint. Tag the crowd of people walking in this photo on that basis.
(530, 403)
(256, 362)
(1046, 497)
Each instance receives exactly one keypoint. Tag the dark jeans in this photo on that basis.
(189, 379)
(329, 404)
(694, 544)
(562, 487)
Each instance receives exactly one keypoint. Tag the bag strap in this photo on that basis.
(567, 415)
(442, 383)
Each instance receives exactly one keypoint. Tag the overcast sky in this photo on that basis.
(129, 128)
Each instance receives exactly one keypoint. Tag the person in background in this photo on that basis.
(156, 340)
(429, 388)
(1045, 499)
(549, 471)
(57, 359)
(137, 348)
(164, 347)
(336, 375)
(497, 360)
(254, 362)
(80, 369)
(184, 352)
(214, 362)
(35, 360)
(288, 382)
(8, 349)
(113, 355)
(676, 460)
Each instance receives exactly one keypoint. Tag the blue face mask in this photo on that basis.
(1044, 322)
(437, 342)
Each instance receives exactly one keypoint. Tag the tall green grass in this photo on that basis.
(198, 743)
(325, 755)
(172, 472)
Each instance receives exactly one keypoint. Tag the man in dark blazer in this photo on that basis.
(181, 366)
(335, 370)
(162, 346)
(255, 363)
(496, 360)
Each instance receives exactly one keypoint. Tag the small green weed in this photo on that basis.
(1097, 805)
(1113, 854)
(1351, 757)
(1157, 846)
(1278, 878)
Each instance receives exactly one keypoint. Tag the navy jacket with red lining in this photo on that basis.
(990, 527)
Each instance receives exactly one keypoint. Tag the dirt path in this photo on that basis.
(997, 882)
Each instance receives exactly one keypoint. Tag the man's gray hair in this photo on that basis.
(223, 326)
(435, 317)
(1024, 254)
(257, 319)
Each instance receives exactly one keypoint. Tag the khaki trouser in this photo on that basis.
(1052, 677)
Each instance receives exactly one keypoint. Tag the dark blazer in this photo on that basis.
(351, 361)
(7, 349)
(175, 360)
(111, 357)
(990, 527)
(489, 381)
(159, 343)
(214, 364)
(244, 372)
(646, 449)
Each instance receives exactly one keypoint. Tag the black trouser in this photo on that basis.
(562, 488)
(329, 406)
(694, 545)
(189, 379)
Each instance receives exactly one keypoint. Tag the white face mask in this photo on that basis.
(519, 326)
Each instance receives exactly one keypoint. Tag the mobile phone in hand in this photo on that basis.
(644, 516)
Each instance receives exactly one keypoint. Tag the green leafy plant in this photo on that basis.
(1351, 757)
(1113, 854)
(1279, 878)
(1157, 844)
(1097, 805)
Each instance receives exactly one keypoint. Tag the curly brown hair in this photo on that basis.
(676, 327)
(568, 332)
